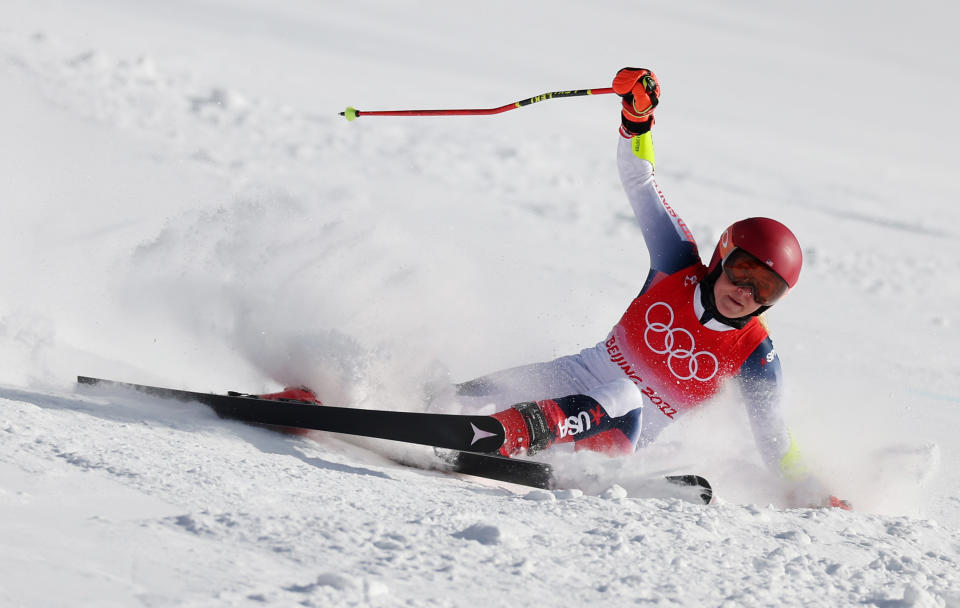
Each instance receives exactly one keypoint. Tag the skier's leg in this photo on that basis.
(487, 394)
(604, 418)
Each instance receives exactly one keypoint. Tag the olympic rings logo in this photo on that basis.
(679, 344)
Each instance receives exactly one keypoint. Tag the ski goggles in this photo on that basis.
(748, 272)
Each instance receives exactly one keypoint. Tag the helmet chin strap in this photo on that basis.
(709, 303)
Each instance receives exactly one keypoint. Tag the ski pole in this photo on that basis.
(352, 113)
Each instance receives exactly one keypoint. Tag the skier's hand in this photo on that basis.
(810, 492)
(640, 90)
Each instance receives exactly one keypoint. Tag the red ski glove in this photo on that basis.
(640, 90)
(811, 493)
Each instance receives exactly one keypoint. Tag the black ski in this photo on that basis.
(540, 474)
(511, 470)
(466, 435)
(471, 433)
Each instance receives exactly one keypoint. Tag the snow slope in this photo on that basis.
(184, 207)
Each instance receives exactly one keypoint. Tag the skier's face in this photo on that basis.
(733, 302)
(744, 270)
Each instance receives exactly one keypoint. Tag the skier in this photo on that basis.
(692, 327)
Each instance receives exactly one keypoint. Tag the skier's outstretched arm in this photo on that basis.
(761, 382)
(669, 241)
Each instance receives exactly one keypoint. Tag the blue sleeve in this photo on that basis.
(669, 240)
(761, 375)
(761, 383)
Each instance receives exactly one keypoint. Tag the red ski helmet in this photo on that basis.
(767, 240)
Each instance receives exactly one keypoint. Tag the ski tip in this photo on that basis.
(705, 490)
(839, 503)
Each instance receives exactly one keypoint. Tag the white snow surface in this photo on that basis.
(182, 206)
